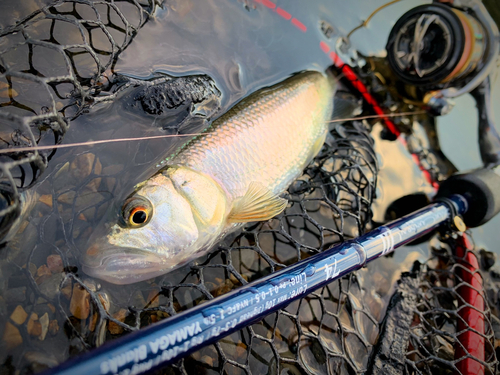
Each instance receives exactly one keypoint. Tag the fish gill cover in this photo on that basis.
(49, 311)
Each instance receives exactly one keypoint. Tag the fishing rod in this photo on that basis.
(468, 199)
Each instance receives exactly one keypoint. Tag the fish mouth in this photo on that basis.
(122, 265)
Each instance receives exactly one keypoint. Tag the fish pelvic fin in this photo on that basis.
(258, 204)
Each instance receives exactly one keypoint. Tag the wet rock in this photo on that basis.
(241, 351)
(153, 299)
(389, 353)
(211, 357)
(443, 348)
(3, 307)
(104, 298)
(41, 361)
(208, 360)
(18, 316)
(224, 287)
(6, 91)
(86, 199)
(15, 295)
(93, 322)
(160, 98)
(80, 302)
(53, 327)
(33, 326)
(89, 213)
(76, 232)
(32, 268)
(83, 165)
(234, 280)
(91, 284)
(211, 287)
(110, 183)
(162, 315)
(11, 336)
(50, 286)
(54, 263)
(76, 345)
(67, 198)
(66, 289)
(112, 169)
(382, 282)
(46, 199)
(44, 323)
(42, 274)
(137, 300)
(312, 355)
(94, 184)
(113, 327)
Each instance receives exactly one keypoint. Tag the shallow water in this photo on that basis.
(242, 46)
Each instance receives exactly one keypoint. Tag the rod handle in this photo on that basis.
(481, 189)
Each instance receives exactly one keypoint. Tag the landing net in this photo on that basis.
(49, 311)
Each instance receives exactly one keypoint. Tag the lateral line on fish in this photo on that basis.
(104, 141)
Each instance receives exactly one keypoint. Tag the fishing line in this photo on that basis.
(104, 141)
(92, 143)
(365, 23)
(377, 116)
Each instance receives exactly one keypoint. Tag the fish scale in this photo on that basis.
(231, 175)
(267, 139)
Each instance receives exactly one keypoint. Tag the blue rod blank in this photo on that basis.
(167, 341)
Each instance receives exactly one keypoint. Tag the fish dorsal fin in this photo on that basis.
(258, 204)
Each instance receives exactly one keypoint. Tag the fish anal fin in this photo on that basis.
(258, 204)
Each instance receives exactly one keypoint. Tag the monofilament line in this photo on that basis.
(105, 141)
(92, 143)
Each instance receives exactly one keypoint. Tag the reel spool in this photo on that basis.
(435, 44)
(442, 52)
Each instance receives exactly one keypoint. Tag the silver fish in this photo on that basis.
(230, 175)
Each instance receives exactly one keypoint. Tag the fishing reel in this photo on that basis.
(440, 52)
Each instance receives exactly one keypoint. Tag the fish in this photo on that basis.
(233, 173)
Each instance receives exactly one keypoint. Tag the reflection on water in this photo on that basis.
(399, 175)
(458, 133)
(240, 45)
(54, 311)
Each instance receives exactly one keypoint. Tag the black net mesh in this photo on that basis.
(55, 313)
(50, 311)
(449, 328)
(52, 62)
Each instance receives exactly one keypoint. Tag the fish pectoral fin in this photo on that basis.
(258, 204)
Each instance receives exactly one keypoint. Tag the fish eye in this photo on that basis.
(138, 216)
(136, 212)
